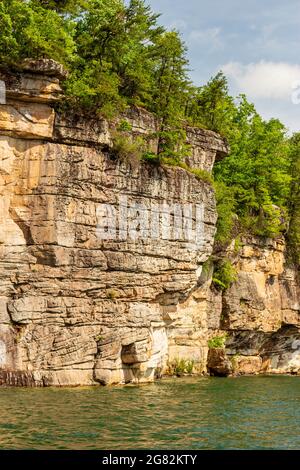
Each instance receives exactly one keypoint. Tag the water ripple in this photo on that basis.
(200, 413)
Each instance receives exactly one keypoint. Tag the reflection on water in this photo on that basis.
(200, 413)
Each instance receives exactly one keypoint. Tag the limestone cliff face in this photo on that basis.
(76, 309)
(260, 312)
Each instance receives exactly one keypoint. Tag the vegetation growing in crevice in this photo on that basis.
(224, 274)
(126, 149)
(217, 341)
(180, 367)
(124, 126)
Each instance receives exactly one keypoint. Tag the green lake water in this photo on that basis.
(187, 413)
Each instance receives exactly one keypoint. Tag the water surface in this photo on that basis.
(186, 413)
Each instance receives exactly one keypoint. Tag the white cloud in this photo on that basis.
(209, 37)
(271, 80)
(285, 111)
(274, 87)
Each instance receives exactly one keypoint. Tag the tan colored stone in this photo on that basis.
(246, 365)
(27, 120)
(35, 89)
(76, 309)
(218, 364)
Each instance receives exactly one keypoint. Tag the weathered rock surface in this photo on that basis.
(78, 309)
(218, 363)
(75, 308)
(260, 312)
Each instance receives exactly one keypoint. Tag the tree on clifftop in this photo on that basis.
(29, 30)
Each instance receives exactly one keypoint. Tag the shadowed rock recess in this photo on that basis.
(78, 310)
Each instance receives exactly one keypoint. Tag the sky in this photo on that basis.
(255, 42)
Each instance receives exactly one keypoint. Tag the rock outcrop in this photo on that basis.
(260, 312)
(76, 308)
(81, 308)
(218, 363)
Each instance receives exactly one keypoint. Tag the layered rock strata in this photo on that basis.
(78, 307)
(260, 312)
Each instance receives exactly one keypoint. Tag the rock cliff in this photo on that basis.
(77, 308)
(260, 312)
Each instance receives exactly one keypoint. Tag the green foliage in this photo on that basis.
(151, 157)
(189, 367)
(124, 126)
(63, 6)
(201, 175)
(170, 79)
(211, 106)
(217, 342)
(253, 181)
(237, 244)
(115, 45)
(127, 149)
(172, 145)
(225, 207)
(28, 30)
(181, 366)
(224, 275)
(93, 88)
(294, 200)
(207, 271)
(268, 222)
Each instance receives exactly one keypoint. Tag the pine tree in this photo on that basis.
(211, 105)
(28, 30)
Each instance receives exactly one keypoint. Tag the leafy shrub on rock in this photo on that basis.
(127, 149)
(224, 275)
(217, 342)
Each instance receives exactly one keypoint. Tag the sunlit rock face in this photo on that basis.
(260, 312)
(74, 308)
(77, 308)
